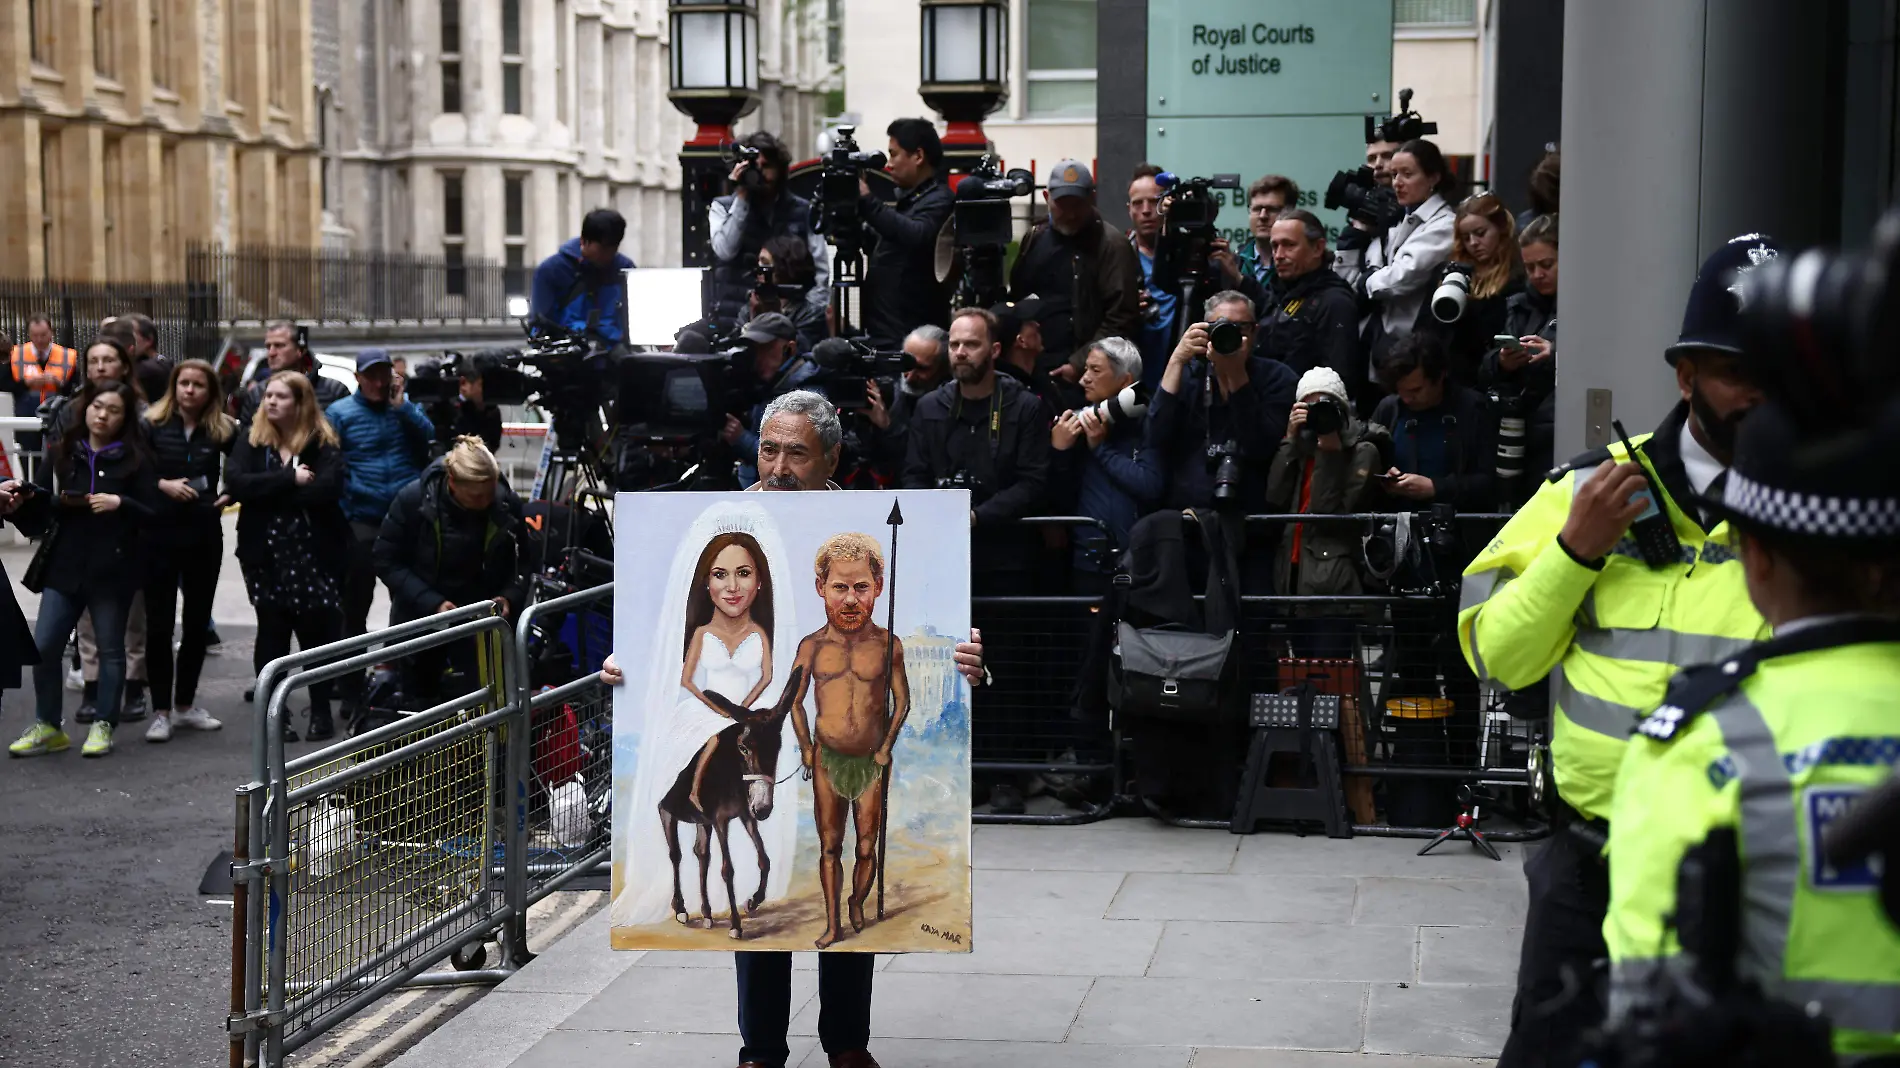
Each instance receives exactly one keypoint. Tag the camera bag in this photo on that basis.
(1180, 665)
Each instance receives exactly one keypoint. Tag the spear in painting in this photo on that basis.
(895, 520)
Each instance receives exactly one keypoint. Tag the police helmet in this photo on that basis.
(1710, 322)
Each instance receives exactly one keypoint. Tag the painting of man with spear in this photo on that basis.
(855, 669)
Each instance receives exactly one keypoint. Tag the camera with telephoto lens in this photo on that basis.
(1454, 290)
(1225, 336)
(984, 227)
(1364, 199)
(835, 213)
(1512, 410)
(1188, 232)
(846, 365)
(1124, 407)
(1223, 458)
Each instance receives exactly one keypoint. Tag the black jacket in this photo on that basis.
(1182, 426)
(193, 456)
(1089, 284)
(463, 418)
(265, 493)
(328, 393)
(1313, 322)
(81, 548)
(18, 650)
(1468, 340)
(948, 434)
(733, 279)
(430, 550)
(1532, 389)
(901, 291)
(1470, 477)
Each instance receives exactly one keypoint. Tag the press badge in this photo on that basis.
(1822, 806)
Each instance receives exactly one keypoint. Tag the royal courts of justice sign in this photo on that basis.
(1267, 87)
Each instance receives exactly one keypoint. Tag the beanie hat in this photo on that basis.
(1323, 380)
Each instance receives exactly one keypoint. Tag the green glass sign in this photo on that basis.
(1266, 87)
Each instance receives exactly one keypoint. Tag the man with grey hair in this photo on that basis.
(1116, 478)
(1313, 320)
(799, 443)
(1246, 410)
(929, 346)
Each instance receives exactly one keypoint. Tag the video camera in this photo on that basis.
(835, 213)
(846, 365)
(1364, 199)
(433, 382)
(1181, 265)
(1397, 129)
(984, 228)
(752, 177)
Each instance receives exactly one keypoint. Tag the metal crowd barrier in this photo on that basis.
(359, 866)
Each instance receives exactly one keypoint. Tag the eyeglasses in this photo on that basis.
(1264, 209)
(1483, 203)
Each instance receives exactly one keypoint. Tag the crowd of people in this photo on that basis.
(142, 454)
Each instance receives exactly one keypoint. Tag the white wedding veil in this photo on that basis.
(671, 725)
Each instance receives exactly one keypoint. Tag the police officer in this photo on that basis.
(1564, 591)
(1775, 743)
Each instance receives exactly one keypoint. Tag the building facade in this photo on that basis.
(133, 128)
(1050, 114)
(485, 129)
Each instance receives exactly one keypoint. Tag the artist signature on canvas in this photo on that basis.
(947, 936)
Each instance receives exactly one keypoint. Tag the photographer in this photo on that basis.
(582, 289)
(901, 291)
(1315, 317)
(777, 367)
(1020, 343)
(1087, 275)
(1401, 270)
(1322, 469)
(785, 282)
(468, 413)
(450, 539)
(1443, 439)
(1486, 242)
(1157, 302)
(1523, 376)
(929, 346)
(985, 433)
(1246, 410)
(758, 211)
(385, 439)
(94, 497)
(285, 351)
(1113, 476)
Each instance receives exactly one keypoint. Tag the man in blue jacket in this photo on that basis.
(386, 439)
(581, 289)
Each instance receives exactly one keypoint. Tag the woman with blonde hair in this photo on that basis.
(450, 539)
(287, 472)
(1485, 237)
(190, 435)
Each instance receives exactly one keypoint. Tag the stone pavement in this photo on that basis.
(1125, 944)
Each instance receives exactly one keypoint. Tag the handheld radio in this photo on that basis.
(1655, 535)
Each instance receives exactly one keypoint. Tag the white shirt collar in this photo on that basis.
(1701, 467)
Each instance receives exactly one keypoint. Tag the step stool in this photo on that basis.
(1304, 723)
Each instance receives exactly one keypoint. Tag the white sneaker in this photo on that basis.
(161, 728)
(74, 680)
(195, 719)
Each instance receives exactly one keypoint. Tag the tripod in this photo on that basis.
(1466, 826)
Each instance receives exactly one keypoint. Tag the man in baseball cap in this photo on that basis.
(1085, 272)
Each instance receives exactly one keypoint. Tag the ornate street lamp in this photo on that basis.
(714, 80)
(965, 64)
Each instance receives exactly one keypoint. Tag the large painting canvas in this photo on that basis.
(785, 776)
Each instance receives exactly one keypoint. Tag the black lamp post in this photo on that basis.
(965, 64)
(714, 80)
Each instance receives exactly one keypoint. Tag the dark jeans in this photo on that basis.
(58, 615)
(275, 627)
(193, 567)
(359, 578)
(765, 1004)
(1563, 930)
(421, 673)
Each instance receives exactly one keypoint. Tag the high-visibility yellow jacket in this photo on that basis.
(1610, 639)
(1776, 757)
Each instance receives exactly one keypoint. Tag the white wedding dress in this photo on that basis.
(672, 732)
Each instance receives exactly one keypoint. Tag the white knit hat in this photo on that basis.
(1323, 380)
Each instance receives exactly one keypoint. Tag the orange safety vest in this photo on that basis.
(59, 365)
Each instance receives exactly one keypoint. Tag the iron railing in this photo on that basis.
(252, 285)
